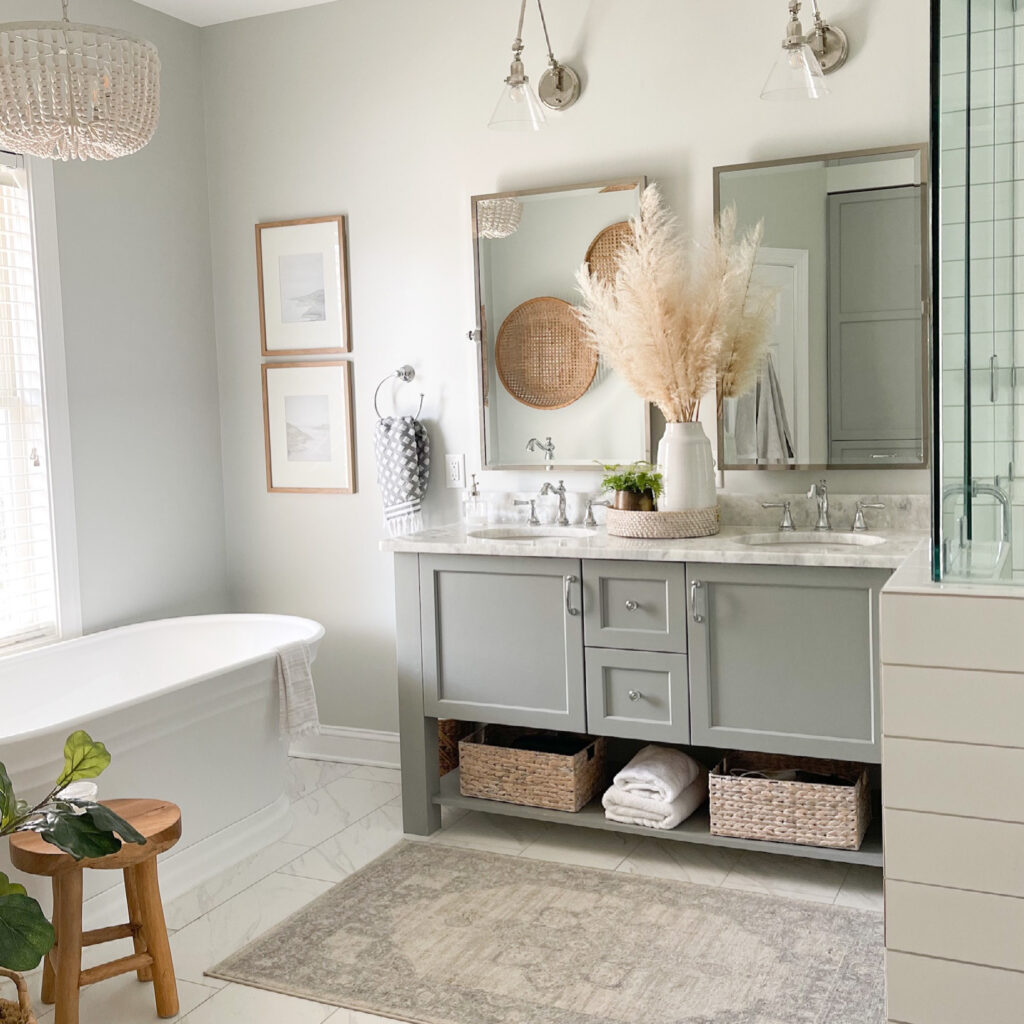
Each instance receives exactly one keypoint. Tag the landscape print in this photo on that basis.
(303, 291)
(308, 428)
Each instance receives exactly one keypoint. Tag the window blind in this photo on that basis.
(28, 591)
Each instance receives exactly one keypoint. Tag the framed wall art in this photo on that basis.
(302, 268)
(307, 422)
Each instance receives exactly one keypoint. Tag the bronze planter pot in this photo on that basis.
(630, 501)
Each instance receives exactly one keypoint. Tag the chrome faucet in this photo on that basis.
(547, 447)
(563, 519)
(590, 520)
(819, 491)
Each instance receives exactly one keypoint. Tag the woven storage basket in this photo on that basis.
(805, 813)
(542, 356)
(21, 1011)
(604, 249)
(449, 732)
(693, 522)
(492, 770)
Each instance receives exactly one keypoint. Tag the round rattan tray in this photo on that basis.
(693, 522)
(604, 248)
(542, 356)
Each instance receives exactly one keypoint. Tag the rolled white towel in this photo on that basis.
(631, 809)
(660, 773)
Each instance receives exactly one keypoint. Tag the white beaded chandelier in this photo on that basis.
(70, 91)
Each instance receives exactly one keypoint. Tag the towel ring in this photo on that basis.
(403, 373)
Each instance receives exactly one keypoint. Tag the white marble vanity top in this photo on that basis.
(890, 553)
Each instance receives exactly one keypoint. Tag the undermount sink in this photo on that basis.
(528, 533)
(863, 540)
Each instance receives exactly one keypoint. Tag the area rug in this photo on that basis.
(437, 935)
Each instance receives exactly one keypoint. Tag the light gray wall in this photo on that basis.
(379, 111)
(142, 373)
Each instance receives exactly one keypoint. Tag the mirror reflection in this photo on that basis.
(546, 398)
(844, 253)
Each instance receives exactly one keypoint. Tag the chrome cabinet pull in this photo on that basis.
(631, 606)
(569, 581)
(695, 586)
(635, 695)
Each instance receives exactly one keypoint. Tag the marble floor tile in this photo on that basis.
(862, 889)
(352, 848)
(225, 929)
(375, 774)
(587, 847)
(239, 1004)
(796, 877)
(305, 775)
(680, 862)
(343, 1016)
(326, 811)
(203, 898)
(494, 832)
(126, 999)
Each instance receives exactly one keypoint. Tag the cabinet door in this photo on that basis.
(503, 640)
(785, 659)
(640, 695)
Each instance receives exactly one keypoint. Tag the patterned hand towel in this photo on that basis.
(402, 447)
(299, 713)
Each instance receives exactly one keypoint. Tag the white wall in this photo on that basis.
(133, 236)
(379, 111)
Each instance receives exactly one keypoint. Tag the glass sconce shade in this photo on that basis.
(795, 75)
(518, 108)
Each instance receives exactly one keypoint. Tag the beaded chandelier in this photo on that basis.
(70, 91)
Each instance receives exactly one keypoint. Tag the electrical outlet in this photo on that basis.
(455, 470)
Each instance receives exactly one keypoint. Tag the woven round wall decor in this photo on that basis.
(542, 356)
(604, 248)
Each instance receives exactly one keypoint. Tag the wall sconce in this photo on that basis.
(518, 107)
(799, 71)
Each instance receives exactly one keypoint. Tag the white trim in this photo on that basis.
(352, 746)
(55, 389)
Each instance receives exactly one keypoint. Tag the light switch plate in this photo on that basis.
(455, 471)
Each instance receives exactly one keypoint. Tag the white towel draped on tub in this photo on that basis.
(659, 773)
(631, 809)
(299, 714)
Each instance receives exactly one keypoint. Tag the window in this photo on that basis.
(28, 577)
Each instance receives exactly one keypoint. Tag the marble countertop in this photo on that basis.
(896, 548)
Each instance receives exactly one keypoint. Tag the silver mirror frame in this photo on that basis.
(921, 148)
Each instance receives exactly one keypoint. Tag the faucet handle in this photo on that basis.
(590, 520)
(858, 520)
(786, 524)
(534, 521)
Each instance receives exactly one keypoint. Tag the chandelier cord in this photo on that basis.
(547, 38)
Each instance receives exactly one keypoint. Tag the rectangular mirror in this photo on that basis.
(845, 250)
(546, 399)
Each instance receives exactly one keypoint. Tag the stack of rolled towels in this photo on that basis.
(659, 788)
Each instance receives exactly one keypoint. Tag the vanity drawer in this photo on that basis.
(637, 606)
(638, 694)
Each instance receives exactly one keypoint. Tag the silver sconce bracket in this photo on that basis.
(559, 87)
(831, 46)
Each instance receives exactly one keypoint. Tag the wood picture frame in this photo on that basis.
(308, 427)
(302, 280)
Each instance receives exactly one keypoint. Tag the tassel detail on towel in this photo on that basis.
(402, 447)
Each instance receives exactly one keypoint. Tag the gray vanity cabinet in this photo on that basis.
(785, 659)
(502, 640)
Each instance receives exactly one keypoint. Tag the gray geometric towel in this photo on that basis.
(402, 446)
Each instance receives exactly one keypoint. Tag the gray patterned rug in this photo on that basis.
(436, 935)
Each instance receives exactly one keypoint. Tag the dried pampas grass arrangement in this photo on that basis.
(679, 317)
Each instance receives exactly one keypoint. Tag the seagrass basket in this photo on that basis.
(449, 732)
(19, 1012)
(692, 522)
(492, 769)
(781, 811)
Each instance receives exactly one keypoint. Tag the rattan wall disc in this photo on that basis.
(542, 356)
(604, 248)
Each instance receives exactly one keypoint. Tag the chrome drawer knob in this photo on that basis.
(635, 695)
(631, 606)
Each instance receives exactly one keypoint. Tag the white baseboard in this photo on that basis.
(353, 746)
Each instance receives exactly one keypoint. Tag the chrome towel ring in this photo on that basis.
(403, 373)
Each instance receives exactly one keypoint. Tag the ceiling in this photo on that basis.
(212, 12)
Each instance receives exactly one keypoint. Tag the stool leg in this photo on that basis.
(154, 931)
(69, 953)
(49, 986)
(135, 919)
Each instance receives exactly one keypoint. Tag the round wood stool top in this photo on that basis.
(158, 820)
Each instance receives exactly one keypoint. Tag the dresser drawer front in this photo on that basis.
(637, 695)
(635, 606)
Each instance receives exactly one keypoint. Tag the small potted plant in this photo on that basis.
(636, 486)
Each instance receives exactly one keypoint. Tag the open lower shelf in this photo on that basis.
(696, 829)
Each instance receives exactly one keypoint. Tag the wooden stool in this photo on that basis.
(160, 823)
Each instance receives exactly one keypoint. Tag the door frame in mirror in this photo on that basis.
(477, 334)
(921, 149)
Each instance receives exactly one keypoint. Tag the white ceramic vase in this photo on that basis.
(687, 468)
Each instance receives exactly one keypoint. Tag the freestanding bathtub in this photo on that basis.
(189, 711)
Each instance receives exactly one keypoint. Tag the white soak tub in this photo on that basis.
(189, 711)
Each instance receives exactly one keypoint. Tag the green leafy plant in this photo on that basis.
(70, 819)
(636, 478)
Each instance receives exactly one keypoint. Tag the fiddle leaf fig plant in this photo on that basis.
(69, 818)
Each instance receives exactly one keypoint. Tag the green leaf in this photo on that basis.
(8, 802)
(8, 888)
(106, 819)
(78, 835)
(25, 934)
(84, 758)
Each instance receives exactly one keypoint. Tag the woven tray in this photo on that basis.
(492, 770)
(604, 249)
(693, 522)
(808, 814)
(542, 356)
